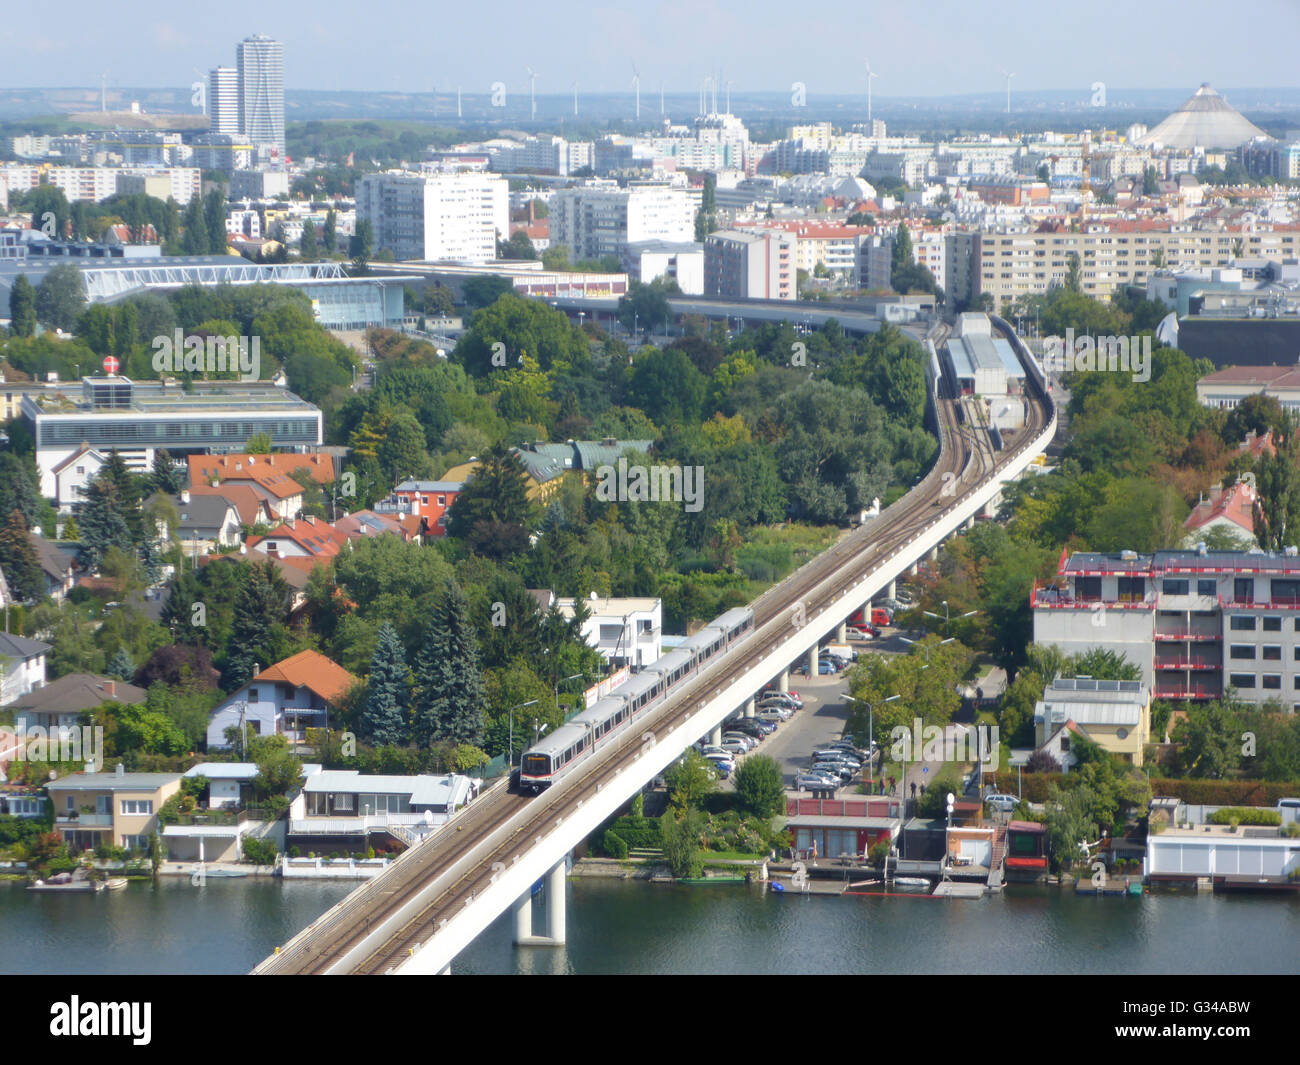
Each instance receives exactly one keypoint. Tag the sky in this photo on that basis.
(934, 48)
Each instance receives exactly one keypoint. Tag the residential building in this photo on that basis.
(73, 474)
(683, 263)
(754, 266)
(286, 699)
(627, 632)
(247, 184)
(223, 101)
(22, 666)
(1232, 511)
(342, 809)
(59, 564)
(429, 217)
(1114, 714)
(596, 221)
(428, 500)
(60, 703)
(261, 91)
(1227, 387)
(830, 828)
(118, 809)
(204, 523)
(1194, 622)
(139, 418)
(307, 537)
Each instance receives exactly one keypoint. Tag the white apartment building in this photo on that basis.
(627, 632)
(261, 91)
(436, 217)
(96, 183)
(595, 221)
(750, 266)
(223, 151)
(1195, 622)
(223, 100)
(647, 260)
(545, 155)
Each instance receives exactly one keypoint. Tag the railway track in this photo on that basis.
(330, 944)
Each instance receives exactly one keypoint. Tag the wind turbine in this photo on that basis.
(575, 99)
(661, 99)
(871, 76)
(708, 80)
(636, 84)
(729, 85)
(532, 86)
(1008, 77)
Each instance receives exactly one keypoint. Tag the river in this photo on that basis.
(227, 926)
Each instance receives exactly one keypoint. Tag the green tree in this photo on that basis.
(1210, 739)
(760, 786)
(214, 216)
(679, 838)
(690, 779)
(383, 722)
(60, 298)
(1069, 823)
(22, 307)
(18, 560)
(330, 237)
(449, 696)
(493, 514)
(261, 606)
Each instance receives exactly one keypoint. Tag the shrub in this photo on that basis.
(1245, 815)
(259, 851)
(614, 845)
(879, 853)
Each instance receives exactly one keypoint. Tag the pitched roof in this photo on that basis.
(318, 538)
(20, 647)
(311, 670)
(57, 562)
(251, 507)
(267, 470)
(78, 691)
(82, 451)
(1237, 505)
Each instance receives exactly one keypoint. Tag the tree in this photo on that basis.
(214, 216)
(331, 237)
(645, 307)
(60, 298)
(22, 307)
(18, 560)
(1210, 736)
(679, 838)
(760, 785)
(261, 605)
(382, 721)
(493, 513)
(1069, 823)
(307, 249)
(121, 666)
(166, 476)
(1073, 273)
(361, 243)
(449, 695)
(519, 246)
(690, 779)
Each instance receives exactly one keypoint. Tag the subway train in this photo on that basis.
(554, 756)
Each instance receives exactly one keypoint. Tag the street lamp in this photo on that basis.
(557, 689)
(531, 702)
(929, 646)
(946, 616)
(871, 735)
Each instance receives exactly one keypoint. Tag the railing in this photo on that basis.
(1196, 636)
(1188, 693)
(85, 820)
(1065, 600)
(350, 825)
(1200, 663)
(1259, 604)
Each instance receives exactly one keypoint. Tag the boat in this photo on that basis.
(911, 881)
(778, 887)
(66, 882)
(704, 879)
(219, 874)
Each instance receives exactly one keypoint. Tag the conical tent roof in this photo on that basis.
(1206, 120)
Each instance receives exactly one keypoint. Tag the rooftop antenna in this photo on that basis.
(871, 76)
(636, 84)
(532, 98)
(575, 99)
(1008, 77)
(729, 85)
(704, 99)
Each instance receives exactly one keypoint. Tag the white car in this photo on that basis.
(774, 714)
(749, 742)
(1002, 803)
(735, 746)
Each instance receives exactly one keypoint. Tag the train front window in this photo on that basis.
(536, 765)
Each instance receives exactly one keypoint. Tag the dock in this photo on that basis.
(959, 889)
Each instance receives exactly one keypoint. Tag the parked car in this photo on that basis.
(1001, 803)
(816, 782)
(774, 715)
(709, 750)
(721, 758)
(777, 699)
(746, 741)
(863, 632)
(775, 704)
(748, 726)
(834, 754)
(836, 769)
(761, 727)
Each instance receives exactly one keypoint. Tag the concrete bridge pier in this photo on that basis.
(715, 737)
(911, 570)
(749, 708)
(932, 555)
(522, 910)
(783, 681)
(812, 661)
(890, 590)
(842, 632)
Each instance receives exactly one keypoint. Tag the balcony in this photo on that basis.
(85, 820)
(1191, 663)
(1051, 598)
(1190, 692)
(1198, 637)
(1259, 604)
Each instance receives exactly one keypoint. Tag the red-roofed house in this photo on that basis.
(268, 475)
(287, 699)
(302, 537)
(1232, 510)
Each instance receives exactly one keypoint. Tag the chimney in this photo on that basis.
(185, 495)
(121, 770)
(110, 687)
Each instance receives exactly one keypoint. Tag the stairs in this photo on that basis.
(995, 859)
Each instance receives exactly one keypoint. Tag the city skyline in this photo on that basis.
(944, 50)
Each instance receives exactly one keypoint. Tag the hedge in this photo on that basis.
(613, 845)
(639, 833)
(1194, 792)
(1246, 815)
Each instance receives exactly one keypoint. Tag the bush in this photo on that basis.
(614, 845)
(259, 851)
(1245, 815)
(879, 853)
(639, 833)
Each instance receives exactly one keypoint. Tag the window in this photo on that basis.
(1273, 681)
(1121, 733)
(1272, 654)
(343, 802)
(1242, 623)
(1241, 680)
(137, 806)
(1207, 587)
(1272, 624)
(1243, 589)
(1175, 587)
(1242, 651)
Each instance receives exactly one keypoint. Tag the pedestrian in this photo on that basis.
(914, 790)
(923, 791)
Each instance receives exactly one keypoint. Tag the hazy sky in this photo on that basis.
(918, 49)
